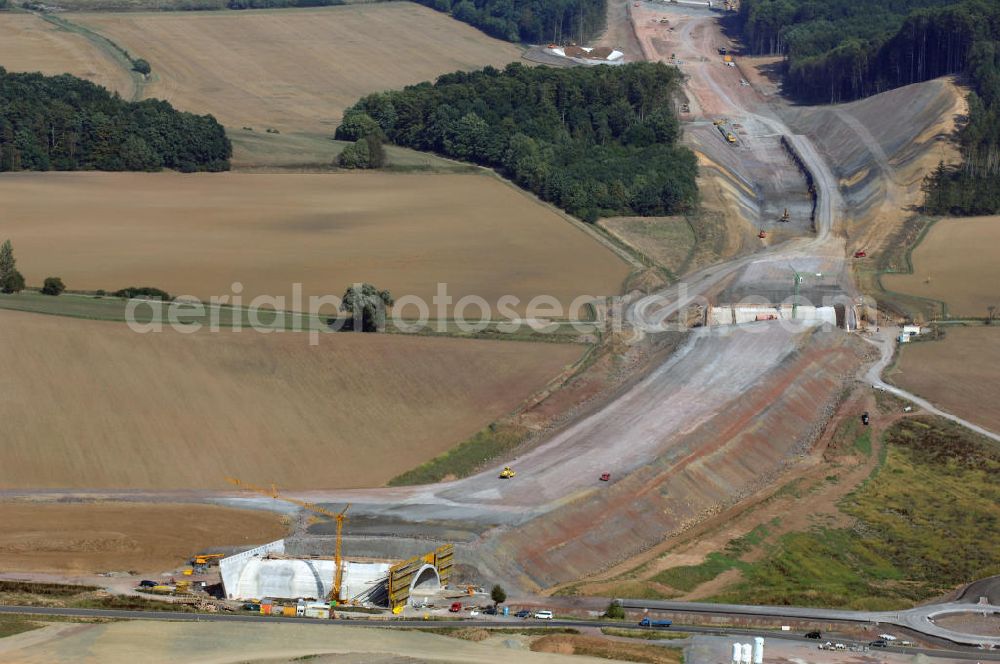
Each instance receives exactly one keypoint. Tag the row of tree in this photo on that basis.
(840, 50)
(65, 123)
(595, 141)
(530, 21)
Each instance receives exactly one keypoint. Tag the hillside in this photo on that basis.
(296, 69)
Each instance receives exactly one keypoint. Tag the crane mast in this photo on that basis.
(338, 517)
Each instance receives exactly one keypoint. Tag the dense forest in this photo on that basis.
(64, 123)
(595, 141)
(840, 50)
(531, 21)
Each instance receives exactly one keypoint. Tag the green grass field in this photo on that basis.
(923, 526)
(14, 624)
(114, 309)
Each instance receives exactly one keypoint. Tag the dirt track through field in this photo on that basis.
(29, 44)
(298, 68)
(197, 235)
(958, 373)
(89, 538)
(958, 262)
(93, 404)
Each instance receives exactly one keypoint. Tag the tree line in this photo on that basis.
(530, 21)
(65, 123)
(595, 141)
(841, 50)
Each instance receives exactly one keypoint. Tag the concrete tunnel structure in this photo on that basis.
(266, 571)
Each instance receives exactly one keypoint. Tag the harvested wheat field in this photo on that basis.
(91, 404)
(299, 68)
(957, 373)
(958, 262)
(87, 538)
(29, 44)
(197, 235)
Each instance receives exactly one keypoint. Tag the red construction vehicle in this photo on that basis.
(860, 253)
(605, 477)
(762, 234)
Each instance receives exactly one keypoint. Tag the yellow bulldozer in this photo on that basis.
(507, 473)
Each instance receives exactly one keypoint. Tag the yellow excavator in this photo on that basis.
(507, 473)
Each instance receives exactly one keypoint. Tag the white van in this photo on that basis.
(543, 615)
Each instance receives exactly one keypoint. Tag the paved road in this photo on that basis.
(918, 619)
(425, 624)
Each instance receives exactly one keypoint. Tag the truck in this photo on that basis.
(662, 624)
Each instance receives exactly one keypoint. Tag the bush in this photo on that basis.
(143, 291)
(53, 286)
(142, 67)
(14, 283)
(615, 611)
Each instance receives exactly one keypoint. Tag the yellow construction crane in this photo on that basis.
(339, 517)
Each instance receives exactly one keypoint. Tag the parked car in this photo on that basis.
(879, 643)
(543, 615)
(814, 635)
(523, 613)
(605, 477)
(455, 607)
(490, 610)
(146, 583)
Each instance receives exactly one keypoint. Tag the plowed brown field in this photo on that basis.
(959, 263)
(958, 373)
(298, 68)
(93, 404)
(198, 234)
(29, 44)
(87, 538)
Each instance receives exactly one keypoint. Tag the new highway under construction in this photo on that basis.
(737, 405)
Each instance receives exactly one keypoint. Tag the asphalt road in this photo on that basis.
(437, 624)
(918, 619)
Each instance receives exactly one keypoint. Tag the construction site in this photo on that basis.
(704, 397)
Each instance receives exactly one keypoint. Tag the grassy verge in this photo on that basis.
(117, 53)
(483, 633)
(44, 589)
(114, 309)
(592, 646)
(646, 634)
(461, 461)
(14, 624)
(897, 258)
(919, 531)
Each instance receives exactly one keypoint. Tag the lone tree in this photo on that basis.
(498, 595)
(992, 312)
(366, 304)
(8, 265)
(53, 286)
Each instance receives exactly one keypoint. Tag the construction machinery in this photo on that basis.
(207, 558)
(338, 517)
(860, 253)
(785, 217)
(507, 473)
(762, 234)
